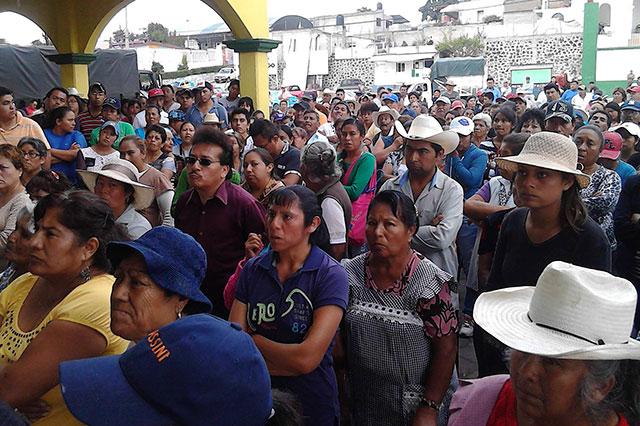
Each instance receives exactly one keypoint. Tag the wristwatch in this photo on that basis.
(424, 402)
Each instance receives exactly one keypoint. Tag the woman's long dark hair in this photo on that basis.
(307, 201)
(573, 212)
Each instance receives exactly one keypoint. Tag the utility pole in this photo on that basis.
(126, 28)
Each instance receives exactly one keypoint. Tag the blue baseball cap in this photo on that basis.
(113, 103)
(111, 124)
(391, 97)
(175, 261)
(177, 115)
(198, 370)
(631, 105)
(278, 116)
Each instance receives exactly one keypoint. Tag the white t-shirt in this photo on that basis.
(333, 216)
(327, 129)
(140, 121)
(95, 161)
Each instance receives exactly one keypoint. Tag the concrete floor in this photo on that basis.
(467, 365)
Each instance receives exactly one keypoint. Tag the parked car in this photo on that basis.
(353, 84)
(225, 75)
(293, 90)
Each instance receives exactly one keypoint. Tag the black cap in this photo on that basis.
(302, 106)
(560, 109)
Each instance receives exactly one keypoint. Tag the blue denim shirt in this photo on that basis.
(468, 170)
(195, 117)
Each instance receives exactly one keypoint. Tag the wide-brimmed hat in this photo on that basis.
(450, 83)
(198, 370)
(571, 313)
(125, 172)
(426, 128)
(181, 275)
(385, 110)
(211, 118)
(548, 150)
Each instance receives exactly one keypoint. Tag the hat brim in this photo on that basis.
(504, 315)
(511, 164)
(143, 195)
(118, 250)
(447, 139)
(393, 113)
(97, 393)
(609, 155)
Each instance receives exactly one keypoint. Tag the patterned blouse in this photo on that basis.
(438, 314)
(265, 197)
(601, 198)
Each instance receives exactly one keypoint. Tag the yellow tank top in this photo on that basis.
(88, 304)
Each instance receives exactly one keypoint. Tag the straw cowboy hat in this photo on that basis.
(211, 118)
(125, 172)
(384, 110)
(426, 128)
(548, 150)
(571, 313)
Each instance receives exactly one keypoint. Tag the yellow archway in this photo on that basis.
(75, 25)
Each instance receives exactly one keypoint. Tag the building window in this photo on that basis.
(480, 15)
(400, 67)
(378, 22)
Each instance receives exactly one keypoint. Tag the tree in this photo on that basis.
(364, 9)
(157, 67)
(118, 36)
(431, 9)
(461, 46)
(183, 65)
(157, 32)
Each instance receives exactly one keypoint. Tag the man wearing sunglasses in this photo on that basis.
(217, 213)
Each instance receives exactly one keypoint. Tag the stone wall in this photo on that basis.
(563, 52)
(340, 69)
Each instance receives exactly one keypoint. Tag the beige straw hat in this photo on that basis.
(571, 313)
(548, 150)
(426, 128)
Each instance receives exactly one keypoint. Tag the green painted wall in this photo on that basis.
(608, 86)
(590, 41)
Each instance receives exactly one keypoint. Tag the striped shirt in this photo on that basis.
(88, 123)
(22, 127)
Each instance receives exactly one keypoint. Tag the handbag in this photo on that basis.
(359, 208)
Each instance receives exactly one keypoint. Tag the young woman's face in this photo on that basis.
(256, 172)
(351, 138)
(186, 132)
(531, 127)
(502, 125)
(538, 187)
(286, 228)
(67, 123)
(107, 136)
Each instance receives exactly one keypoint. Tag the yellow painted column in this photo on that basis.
(254, 69)
(75, 75)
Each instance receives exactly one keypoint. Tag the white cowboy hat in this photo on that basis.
(211, 118)
(547, 150)
(385, 110)
(571, 313)
(450, 83)
(426, 128)
(125, 172)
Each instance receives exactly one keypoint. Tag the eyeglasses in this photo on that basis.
(204, 162)
(30, 154)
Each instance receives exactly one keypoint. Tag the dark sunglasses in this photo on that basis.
(204, 162)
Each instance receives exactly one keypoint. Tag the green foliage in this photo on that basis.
(157, 67)
(492, 18)
(183, 65)
(431, 9)
(461, 46)
(157, 32)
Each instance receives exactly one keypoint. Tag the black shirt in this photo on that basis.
(287, 162)
(519, 262)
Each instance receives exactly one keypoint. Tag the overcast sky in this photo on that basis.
(194, 15)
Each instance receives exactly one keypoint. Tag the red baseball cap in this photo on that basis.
(634, 89)
(457, 104)
(612, 146)
(155, 92)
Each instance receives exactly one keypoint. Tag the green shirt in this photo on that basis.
(360, 176)
(124, 129)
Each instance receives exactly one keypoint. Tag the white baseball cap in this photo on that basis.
(461, 125)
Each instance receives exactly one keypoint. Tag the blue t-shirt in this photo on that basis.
(624, 170)
(283, 312)
(65, 142)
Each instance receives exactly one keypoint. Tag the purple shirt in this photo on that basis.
(221, 226)
(283, 312)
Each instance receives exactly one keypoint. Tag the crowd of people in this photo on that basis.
(342, 245)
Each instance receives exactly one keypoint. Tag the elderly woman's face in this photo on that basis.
(18, 241)
(546, 389)
(387, 235)
(111, 191)
(55, 250)
(138, 305)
